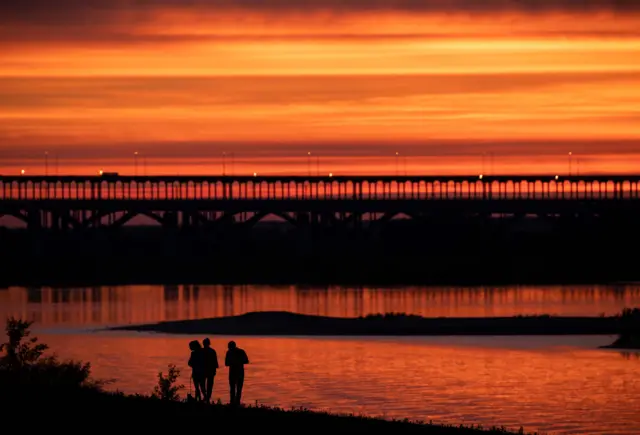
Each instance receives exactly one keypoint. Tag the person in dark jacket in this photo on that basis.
(210, 368)
(235, 359)
(197, 364)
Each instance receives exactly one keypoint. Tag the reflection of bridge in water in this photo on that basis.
(141, 304)
(80, 202)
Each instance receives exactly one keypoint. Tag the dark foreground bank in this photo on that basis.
(84, 410)
(285, 323)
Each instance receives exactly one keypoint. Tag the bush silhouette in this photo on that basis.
(630, 320)
(20, 353)
(23, 363)
(167, 388)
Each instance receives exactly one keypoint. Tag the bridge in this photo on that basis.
(112, 200)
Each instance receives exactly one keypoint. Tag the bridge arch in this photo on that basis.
(260, 216)
(387, 217)
(128, 216)
(16, 215)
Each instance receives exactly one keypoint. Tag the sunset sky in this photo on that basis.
(189, 78)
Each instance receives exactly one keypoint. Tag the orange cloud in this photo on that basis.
(172, 73)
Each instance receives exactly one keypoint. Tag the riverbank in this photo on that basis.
(71, 411)
(292, 324)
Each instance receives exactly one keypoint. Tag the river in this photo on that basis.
(563, 385)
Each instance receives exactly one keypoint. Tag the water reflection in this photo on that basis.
(552, 384)
(559, 387)
(139, 304)
(630, 355)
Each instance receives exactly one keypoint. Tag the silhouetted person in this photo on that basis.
(197, 364)
(236, 359)
(210, 368)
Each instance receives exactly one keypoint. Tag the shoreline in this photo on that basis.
(162, 416)
(291, 324)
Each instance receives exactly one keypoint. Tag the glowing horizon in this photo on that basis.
(187, 79)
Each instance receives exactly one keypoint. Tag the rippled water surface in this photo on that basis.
(552, 384)
(140, 304)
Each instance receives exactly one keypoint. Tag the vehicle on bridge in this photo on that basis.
(109, 174)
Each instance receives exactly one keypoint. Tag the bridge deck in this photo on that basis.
(314, 179)
(82, 201)
(319, 188)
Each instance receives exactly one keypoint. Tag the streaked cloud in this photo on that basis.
(184, 21)
(320, 108)
(185, 72)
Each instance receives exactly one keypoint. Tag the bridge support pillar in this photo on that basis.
(328, 220)
(34, 220)
(303, 218)
(66, 220)
(56, 221)
(315, 219)
(170, 220)
(357, 221)
(185, 219)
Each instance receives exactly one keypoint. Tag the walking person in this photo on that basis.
(196, 362)
(235, 359)
(210, 368)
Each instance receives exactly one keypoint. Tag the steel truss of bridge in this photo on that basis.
(111, 200)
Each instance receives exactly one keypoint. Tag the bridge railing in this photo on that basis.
(320, 188)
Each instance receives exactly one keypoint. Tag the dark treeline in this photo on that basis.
(447, 251)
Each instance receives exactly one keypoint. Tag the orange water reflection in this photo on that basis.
(141, 304)
(554, 384)
(557, 385)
